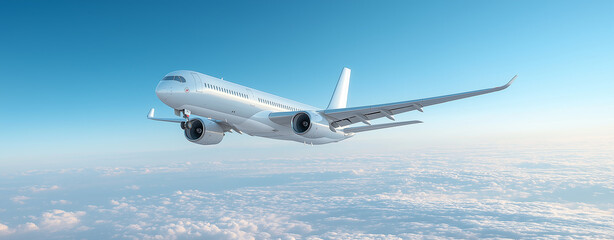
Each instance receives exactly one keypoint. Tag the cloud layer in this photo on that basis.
(480, 193)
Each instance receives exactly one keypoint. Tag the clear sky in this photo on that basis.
(78, 77)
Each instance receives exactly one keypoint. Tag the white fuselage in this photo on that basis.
(245, 108)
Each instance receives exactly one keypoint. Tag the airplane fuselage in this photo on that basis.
(245, 108)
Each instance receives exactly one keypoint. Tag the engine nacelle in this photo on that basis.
(311, 125)
(203, 131)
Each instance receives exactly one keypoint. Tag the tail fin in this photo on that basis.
(340, 96)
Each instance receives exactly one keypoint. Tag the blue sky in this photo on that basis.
(79, 77)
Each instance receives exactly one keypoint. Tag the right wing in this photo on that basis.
(346, 116)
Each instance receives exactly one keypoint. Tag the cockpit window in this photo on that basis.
(175, 78)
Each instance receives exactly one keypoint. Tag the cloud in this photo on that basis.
(60, 202)
(24, 228)
(5, 230)
(44, 188)
(20, 199)
(132, 187)
(28, 227)
(121, 206)
(59, 220)
(465, 195)
(225, 228)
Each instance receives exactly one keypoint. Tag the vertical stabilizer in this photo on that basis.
(340, 96)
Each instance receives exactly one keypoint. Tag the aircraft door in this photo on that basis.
(198, 83)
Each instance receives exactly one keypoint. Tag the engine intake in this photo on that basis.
(301, 123)
(203, 131)
(311, 124)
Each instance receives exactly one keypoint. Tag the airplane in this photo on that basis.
(209, 107)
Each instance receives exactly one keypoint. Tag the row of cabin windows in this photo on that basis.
(279, 105)
(243, 95)
(224, 90)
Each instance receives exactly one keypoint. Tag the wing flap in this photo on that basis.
(378, 126)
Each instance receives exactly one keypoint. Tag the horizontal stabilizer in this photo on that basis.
(378, 126)
(152, 117)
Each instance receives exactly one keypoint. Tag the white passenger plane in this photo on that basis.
(225, 107)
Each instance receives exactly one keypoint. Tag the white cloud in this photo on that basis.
(20, 199)
(24, 228)
(44, 188)
(120, 206)
(60, 202)
(134, 227)
(349, 219)
(5, 230)
(58, 220)
(28, 227)
(481, 194)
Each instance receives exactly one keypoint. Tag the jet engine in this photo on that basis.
(311, 125)
(203, 131)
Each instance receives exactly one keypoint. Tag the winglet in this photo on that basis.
(510, 82)
(151, 113)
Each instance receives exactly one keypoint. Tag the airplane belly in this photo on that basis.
(256, 128)
(297, 138)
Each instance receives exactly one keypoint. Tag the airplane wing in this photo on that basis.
(151, 116)
(227, 127)
(346, 116)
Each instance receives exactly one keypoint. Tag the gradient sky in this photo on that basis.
(78, 77)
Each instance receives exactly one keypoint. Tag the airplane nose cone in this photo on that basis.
(164, 90)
